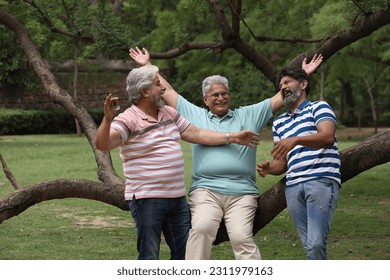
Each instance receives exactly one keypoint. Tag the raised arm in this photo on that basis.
(142, 57)
(106, 138)
(276, 102)
(315, 62)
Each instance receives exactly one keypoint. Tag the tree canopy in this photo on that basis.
(192, 39)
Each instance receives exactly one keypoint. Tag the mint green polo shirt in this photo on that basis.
(226, 169)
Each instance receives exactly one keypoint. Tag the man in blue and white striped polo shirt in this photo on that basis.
(306, 148)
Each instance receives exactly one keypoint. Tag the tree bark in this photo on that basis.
(23, 198)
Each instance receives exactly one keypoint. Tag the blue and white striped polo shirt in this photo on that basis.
(306, 163)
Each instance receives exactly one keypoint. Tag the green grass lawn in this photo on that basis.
(89, 230)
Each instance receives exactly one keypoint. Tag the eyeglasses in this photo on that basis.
(217, 94)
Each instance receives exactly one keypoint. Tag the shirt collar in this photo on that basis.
(143, 115)
(212, 115)
(300, 107)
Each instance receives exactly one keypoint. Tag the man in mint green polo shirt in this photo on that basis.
(223, 177)
(223, 182)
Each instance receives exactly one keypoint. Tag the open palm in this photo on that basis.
(141, 57)
(313, 64)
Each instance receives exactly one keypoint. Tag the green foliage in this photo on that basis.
(248, 86)
(330, 19)
(359, 65)
(14, 68)
(33, 121)
(165, 25)
(384, 118)
(50, 121)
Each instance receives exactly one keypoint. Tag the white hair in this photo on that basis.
(212, 80)
(139, 79)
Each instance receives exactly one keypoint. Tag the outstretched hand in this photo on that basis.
(263, 168)
(141, 57)
(313, 64)
(246, 138)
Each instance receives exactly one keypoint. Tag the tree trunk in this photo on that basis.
(75, 85)
(372, 103)
(347, 112)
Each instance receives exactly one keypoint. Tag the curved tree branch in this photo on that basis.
(363, 28)
(8, 174)
(226, 30)
(236, 17)
(215, 46)
(23, 198)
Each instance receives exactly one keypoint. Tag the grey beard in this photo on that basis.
(292, 98)
(160, 102)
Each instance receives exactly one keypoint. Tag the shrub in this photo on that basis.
(49, 121)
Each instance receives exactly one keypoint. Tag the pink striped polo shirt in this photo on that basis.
(153, 161)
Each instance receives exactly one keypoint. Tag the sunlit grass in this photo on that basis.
(84, 229)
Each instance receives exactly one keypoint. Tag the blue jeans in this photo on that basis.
(171, 216)
(312, 205)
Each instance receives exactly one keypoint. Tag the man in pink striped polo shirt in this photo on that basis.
(148, 134)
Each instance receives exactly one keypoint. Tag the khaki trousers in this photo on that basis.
(207, 211)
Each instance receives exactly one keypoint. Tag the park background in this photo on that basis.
(84, 45)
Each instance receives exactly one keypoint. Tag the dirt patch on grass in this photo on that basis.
(95, 219)
(89, 221)
(353, 133)
(385, 202)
